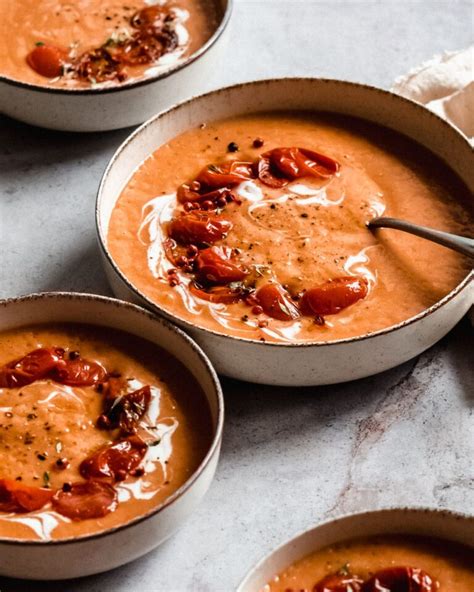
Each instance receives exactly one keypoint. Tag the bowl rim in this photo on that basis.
(139, 81)
(430, 510)
(276, 344)
(217, 388)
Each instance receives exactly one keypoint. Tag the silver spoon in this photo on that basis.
(462, 244)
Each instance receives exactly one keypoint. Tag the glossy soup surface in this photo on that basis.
(449, 565)
(305, 234)
(84, 25)
(45, 421)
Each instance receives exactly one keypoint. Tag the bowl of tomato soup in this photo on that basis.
(394, 550)
(97, 65)
(249, 227)
(110, 430)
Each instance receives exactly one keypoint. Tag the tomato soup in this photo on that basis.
(381, 564)
(96, 428)
(86, 43)
(256, 227)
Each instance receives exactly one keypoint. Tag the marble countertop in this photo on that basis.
(290, 457)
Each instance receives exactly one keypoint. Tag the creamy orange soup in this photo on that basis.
(381, 564)
(61, 43)
(287, 256)
(96, 428)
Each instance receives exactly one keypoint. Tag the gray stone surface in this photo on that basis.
(291, 457)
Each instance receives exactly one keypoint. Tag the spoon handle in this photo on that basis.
(461, 244)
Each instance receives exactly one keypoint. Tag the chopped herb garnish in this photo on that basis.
(46, 479)
(155, 442)
(344, 570)
(39, 43)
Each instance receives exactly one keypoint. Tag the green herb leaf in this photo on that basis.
(46, 479)
(344, 570)
(39, 43)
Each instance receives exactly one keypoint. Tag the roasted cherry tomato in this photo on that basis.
(214, 266)
(216, 294)
(47, 60)
(339, 583)
(401, 579)
(198, 228)
(126, 410)
(279, 166)
(227, 174)
(150, 17)
(91, 499)
(16, 497)
(276, 303)
(268, 174)
(79, 372)
(114, 461)
(34, 366)
(100, 65)
(333, 296)
(299, 162)
(145, 47)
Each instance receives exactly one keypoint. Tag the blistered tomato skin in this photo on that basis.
(34, 366)
(214, 266)
(198, 228)
(82, 501)
(333, 296)
(47, 60)
(19, 498)
(226, 175)
(268, 175)
(295, 163)
(125, 411)
(276, 303)
(401, 579)
(115, 461)
(339, 583)
(277, 167)
(79, 372)
(149, 17)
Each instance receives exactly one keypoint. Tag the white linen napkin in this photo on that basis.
(444, 84)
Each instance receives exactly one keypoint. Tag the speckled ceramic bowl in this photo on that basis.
(441, 524)
(99, 109)
(88, 554)
(308, 363)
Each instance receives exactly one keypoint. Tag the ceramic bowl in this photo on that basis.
(306, 363)
(84, 555)
(99, 109)
(441, 524)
